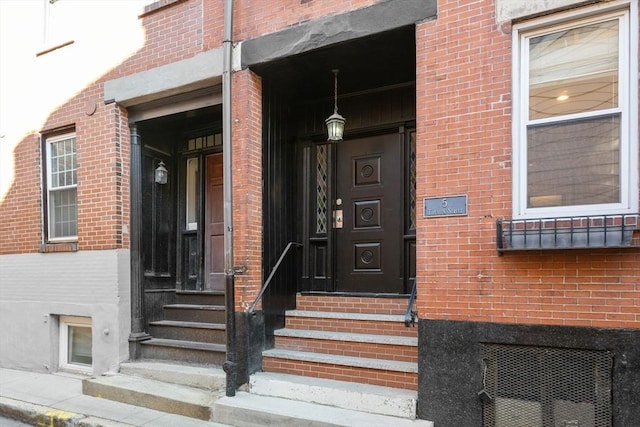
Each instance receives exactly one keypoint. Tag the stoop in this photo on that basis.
(184, 390)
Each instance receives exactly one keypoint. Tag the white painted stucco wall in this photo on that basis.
(36, 288)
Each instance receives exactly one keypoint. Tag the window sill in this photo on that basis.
(581, 232)
(46, 248)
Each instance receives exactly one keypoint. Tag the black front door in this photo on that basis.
(369, 197)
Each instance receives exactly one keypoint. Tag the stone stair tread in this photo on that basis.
(361, 362)
(342, 394)
(184, 344)
(154, 394)
(193, 292)
(250, 409)
(185, 324)
(197, 307)
(347, 316)
(332, 384)
(347, 336)
(208, 377)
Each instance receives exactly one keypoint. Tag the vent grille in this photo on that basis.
(545, 387)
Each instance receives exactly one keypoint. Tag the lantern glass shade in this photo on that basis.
(161, 174)
(335, 127)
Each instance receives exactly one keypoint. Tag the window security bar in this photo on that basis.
(580, 232)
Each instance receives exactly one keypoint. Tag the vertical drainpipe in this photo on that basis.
(230, 365)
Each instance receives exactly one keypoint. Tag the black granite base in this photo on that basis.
(450, 365)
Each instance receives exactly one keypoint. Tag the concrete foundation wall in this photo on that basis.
(35, 289)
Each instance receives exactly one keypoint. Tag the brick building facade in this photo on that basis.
(447, 104)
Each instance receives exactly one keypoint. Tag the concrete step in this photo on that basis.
(340, 394)
(195, 313)
(200, 297)
(189, 331)
(404, 349)
(388, 373)
(382, 324)
(172, 398)
(204, 377)
(184, 351)
(246, 409)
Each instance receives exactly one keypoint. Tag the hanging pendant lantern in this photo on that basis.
(335, 122)
(161, 174)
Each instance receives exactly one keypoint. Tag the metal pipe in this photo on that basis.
(230, 365)
(252, 309)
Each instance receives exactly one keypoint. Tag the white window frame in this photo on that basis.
(50, 189)
(627, 12)
(64, 323)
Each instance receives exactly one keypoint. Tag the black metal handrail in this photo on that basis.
(411, 314)
(252, 309)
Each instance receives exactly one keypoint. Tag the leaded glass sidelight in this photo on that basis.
(322, 179)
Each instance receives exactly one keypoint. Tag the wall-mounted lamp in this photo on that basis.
(335, 122)
(161, 173)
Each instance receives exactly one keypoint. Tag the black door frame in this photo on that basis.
(319, 258)
(190, 251)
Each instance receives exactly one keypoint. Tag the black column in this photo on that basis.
(137, 296)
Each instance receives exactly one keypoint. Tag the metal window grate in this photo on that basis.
(545, 387)
(600, 231)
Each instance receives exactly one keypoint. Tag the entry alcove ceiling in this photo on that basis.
(380, 60)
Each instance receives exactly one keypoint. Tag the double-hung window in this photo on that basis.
(575, 132)
(61, 193)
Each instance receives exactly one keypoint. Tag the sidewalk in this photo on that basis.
(57, 400)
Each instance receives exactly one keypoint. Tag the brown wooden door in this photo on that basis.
(369, 245)
(214, 224)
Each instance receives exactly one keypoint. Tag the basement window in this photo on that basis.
(76, 344)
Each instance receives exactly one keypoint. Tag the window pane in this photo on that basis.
(63, 162)
(79, 341)
(574, 71)
(574, 163)
(63, 213)
(191, 194)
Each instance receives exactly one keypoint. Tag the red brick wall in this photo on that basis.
(103, 167)
(176, 30)
(464, 147)
(254, 18)
(20, 218)
(246, 116)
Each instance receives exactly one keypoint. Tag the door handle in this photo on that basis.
(338, 219)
